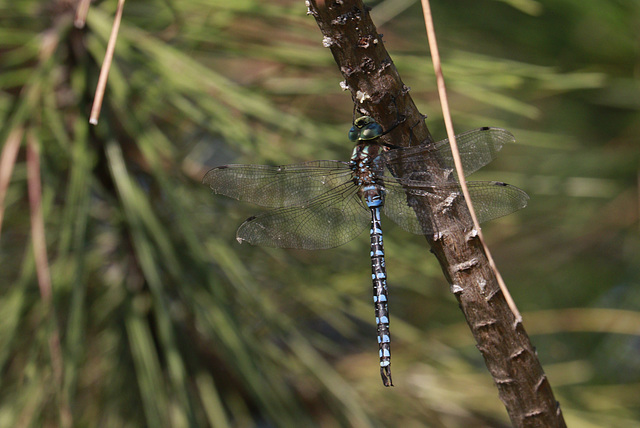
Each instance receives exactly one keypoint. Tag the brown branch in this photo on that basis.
(378, 91)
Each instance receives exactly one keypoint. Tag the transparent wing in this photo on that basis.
(477, 148)
(491, 200)
(277, 186)
(327, 221)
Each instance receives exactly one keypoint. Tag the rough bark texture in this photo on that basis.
(378, 92)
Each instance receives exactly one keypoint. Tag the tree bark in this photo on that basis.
(378, 91)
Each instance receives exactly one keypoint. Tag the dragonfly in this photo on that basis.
(326, 203)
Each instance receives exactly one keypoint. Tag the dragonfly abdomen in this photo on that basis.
(380, 296)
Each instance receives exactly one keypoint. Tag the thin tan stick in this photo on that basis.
(444, 102)
(81, 13)
(37, 220)
(106, 65)
(7, 161)
(42, 268)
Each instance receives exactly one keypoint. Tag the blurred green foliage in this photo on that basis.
(166, 321)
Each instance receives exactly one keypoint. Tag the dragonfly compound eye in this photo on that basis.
(371, 131)
(354, 133)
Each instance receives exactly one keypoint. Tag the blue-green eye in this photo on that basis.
(354, 133)
(365, 128)
(371, 131)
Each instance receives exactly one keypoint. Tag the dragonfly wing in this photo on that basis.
(277, 186)
(491, 200)
(477, 148)
(329, 220)
(397, 208)
(495, 199)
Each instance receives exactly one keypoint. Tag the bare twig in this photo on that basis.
(42, 269)
(446, 113)
(81, 13)
(541, 417)
(7, 161)
(106, 66)
(37, 220)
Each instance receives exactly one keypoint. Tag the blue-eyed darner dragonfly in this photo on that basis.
(324, 204)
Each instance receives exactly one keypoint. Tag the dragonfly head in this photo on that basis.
(365, 128)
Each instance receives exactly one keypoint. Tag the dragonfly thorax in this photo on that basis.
(362, 163)
(370, 188)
